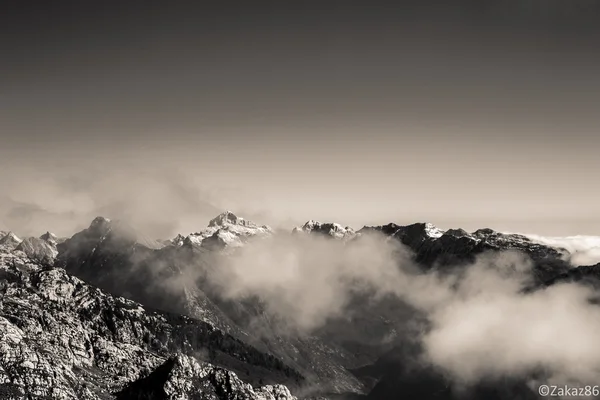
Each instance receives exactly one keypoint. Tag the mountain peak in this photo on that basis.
(99, 222)
(10, 238)
(226, 229)
(49, 237)
(432, 230)
(328, 228)
(39, 249)
(229, 218)
(224, 218)
(484, 232)
(458, 232)
(426, 228)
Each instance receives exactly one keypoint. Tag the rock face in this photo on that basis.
(184, 378)
(9, 241)
(330, 229)
(121, 316)
(225, 230)
(61, 338)
(45, 251)
(434, 247)
(586, 274)
(160, 278)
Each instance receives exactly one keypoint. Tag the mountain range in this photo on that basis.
(111, 314)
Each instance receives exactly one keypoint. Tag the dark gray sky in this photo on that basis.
(466, 113)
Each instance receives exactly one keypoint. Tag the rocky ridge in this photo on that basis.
(225, 230)
(184, 377)
(329, 229)
(160, 278)
(61, 338)
(9, 241)
(113, 257)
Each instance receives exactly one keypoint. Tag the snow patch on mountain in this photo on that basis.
(433, 231)
(225, 230)
(332, 229)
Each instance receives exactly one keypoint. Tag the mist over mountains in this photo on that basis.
(327, 310)
(411, 185)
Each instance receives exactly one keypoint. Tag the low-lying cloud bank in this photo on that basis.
(584, 250)
(306, 279)
(482, 324)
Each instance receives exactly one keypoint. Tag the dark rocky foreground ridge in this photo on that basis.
(100, 323)
(64, 339)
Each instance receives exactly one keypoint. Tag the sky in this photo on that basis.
(470, 114)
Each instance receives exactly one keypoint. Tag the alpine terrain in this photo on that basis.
(111, 314)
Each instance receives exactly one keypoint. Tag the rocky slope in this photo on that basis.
(183, 377)
(586, 274)
(329, 229)
(61, 338)
(173, 278)
(9, 241)
(433, 247)
(376, 326)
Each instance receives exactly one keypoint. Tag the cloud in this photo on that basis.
(489, 328)
(482, 325)
(307, 279)
(584, 250)
(160, 203)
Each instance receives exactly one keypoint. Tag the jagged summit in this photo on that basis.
(39, 249)
(10, 236)
(432, 230)
(229, 218)
(459, 232)
(10, 240)
(433, 245)
(332, 229)
(99, 221)
(421, 230)
(225, 230)
(100, 226)
(49, 237)
(104, 229)
(483, 232)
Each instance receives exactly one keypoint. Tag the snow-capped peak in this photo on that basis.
(226, 229)
(329, 228)
(226, 218)
(433, 231)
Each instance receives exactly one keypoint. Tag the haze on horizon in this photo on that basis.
(467, 115)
